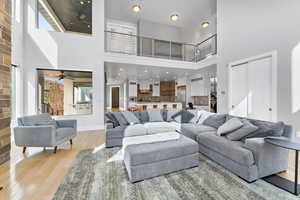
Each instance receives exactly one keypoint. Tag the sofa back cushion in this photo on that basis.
(120, 118)
(265, 128)
(229, 126)
(155, 115)
(130, 117)
(144, 116)
(34, 120)
(215, 120)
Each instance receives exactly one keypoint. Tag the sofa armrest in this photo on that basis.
(109, 125)
(35, 136)
(270, 159)
(67, 123)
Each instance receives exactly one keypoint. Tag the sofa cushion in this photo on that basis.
(130, 117)
(245, 130)
(36, 119)
(233, 150)
(52, 122)
(117, 132)
(62, 133)
(155, 115)
(230, 126)
(120, 118)
(148, 153)
(159, 127)
(135, 130)
(193, 130)
(215, 120)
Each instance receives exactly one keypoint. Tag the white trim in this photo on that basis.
(273, 55)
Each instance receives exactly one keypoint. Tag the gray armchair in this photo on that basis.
(42, 131)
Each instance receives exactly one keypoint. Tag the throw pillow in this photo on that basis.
(196, 117)
(203, 115)
(170, 114)
(229, 126)
(130, 117)
(144, 116)
(245, 130)
(183, 116)
(155, 115)
(120, 118)
(215, 120)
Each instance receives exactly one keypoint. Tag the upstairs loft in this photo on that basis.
(131, 44)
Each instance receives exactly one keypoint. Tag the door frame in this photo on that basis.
(274, 64)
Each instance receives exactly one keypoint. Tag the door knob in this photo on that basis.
(270, 109)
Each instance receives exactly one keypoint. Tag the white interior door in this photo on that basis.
(239, 90)
(260, 89)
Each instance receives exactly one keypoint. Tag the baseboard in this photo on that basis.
(90, 128)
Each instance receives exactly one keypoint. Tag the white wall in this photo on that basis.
(195, 33)
(54, 50)
(206, 73)
(159, 31)
(253, 27)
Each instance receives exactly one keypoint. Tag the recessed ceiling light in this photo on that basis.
(167, 72)
(136, 8)
(205, 24)
(81, 2)
(174, 17)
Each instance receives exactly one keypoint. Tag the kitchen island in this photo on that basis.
(154, 105)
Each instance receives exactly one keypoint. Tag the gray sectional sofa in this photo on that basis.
(249, 158)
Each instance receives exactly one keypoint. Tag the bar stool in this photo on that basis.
(174, 106)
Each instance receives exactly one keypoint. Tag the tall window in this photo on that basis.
(65, 15)
(63, 92)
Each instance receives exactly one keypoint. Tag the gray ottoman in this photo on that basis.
(144, 161)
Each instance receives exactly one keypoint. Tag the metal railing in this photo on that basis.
(117, 42)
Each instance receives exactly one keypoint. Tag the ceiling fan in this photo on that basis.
(62, 76)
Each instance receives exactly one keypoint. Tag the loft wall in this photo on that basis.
(5, 62)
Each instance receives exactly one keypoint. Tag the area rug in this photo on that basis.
(93, 178)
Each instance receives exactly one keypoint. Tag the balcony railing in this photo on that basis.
(116, 42)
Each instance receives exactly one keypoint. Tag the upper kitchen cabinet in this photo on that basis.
(132, 89)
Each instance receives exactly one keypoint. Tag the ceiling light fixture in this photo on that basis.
(174, 17)
(205, 24)
(136, 8)
(81, 2)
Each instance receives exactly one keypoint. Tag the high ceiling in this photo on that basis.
(117, 73)
(74, 15)
(159, 11)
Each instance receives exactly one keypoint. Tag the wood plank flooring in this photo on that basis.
(37, 174)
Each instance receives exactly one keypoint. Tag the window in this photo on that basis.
(64, 92)
(65, 16)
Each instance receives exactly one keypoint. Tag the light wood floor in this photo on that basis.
(37, 174)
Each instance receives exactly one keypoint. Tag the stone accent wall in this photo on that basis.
(5, 91)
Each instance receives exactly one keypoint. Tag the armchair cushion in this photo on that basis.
(32, 120)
